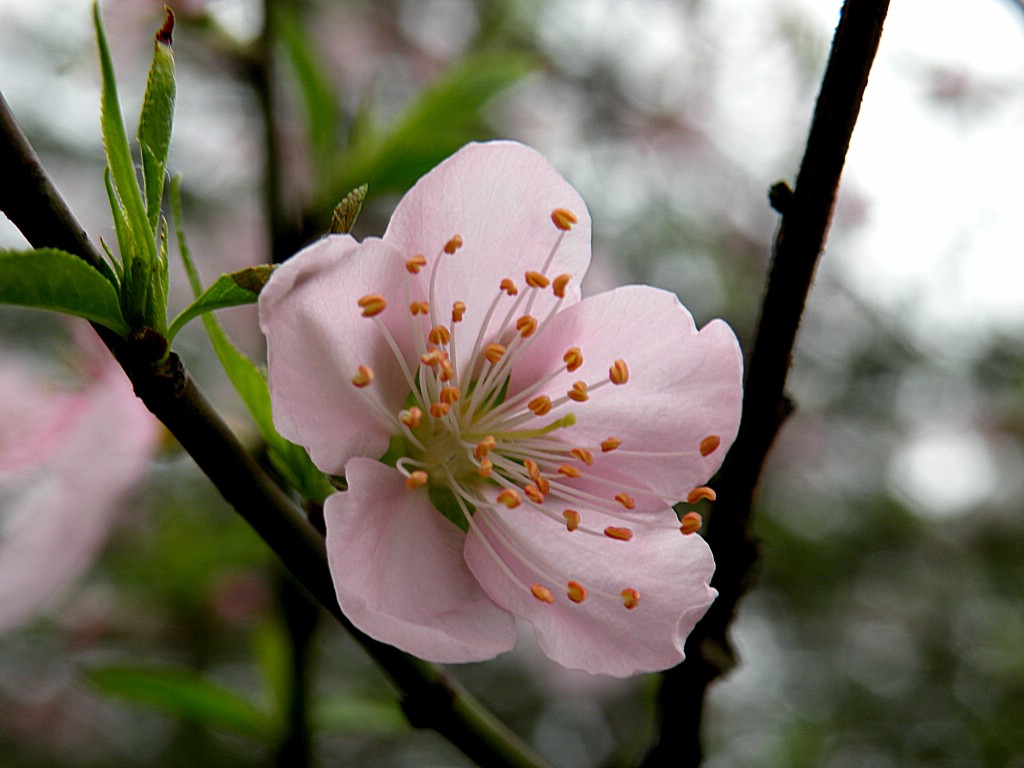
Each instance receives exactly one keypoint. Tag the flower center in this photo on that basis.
(482, 450)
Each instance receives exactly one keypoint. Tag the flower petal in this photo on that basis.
(683, 386)
(670, 572)
(317, 338)
(399, 572)
(498, 197)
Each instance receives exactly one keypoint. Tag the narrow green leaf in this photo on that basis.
(48, 278)
(185, 694)
(347, 211)
(157, 119)
(290, 460)
(234, 290)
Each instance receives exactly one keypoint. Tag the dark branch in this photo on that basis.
(434, 701)
(799, 243)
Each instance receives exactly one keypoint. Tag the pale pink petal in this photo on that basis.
(59, 512)
(683, 386)
(399, 573)
(670, 572)
(317, 338)
(498, 197)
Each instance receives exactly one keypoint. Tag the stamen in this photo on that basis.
(576, 591)
(563, 219)
(453, 245)
(526, 325)
(533, 494)
(610, 444)
(690, 523)
(532, 469)
(419, 308)
(542, 593)
(439, 335)
(578, 393)
(433, 358)
(439, 410)
(415, 264)
(485, 446)
(486, 468)
(573, 359)
(416, 479)
(618, 373)
(411, 418)
(364, 377)
(622, 534)
(699, 493)
(372, 304)
(537, 280)
(510, 498)
(447, 371)
(709, 445)
(572, 519)
(493, 352)
(569, 471)
(508, 287)
(558, 285)
(540, 405)
(626, 500)
(630, 598)
(450, 395)
(458, 310)
(583, 455)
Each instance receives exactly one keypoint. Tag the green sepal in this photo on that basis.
(157, 120)
(232, 290)
(48, 278)
(347, 211)
(444, 501)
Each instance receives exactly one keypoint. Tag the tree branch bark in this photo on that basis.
(806, 213)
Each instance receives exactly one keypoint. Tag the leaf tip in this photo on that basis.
(163, 35)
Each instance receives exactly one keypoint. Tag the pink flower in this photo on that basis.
(509, 449)
(70, 455)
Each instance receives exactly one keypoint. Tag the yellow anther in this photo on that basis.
(453, 245)
(559, 284)
(630, 598)
(535, 279)
(573, 359)
(364, 377)
(709, 445)
(690, 523)
(615, 532)
(610, 444)
(439, 335)
(447, 372)
(372, 304)
(540, 405)
(533, 494)
(510, 498)
(578, 393)
(508, 286)
(576, 591)
(563, 218)
(542, 593)
(419, 308)
(699, 493)
(411, 418)
(433, 358)
(458, 310)
(439, 410)
(544, 485)
(526, 325)
(450, 395)
(569, 471)
(485, 446)
(493, 352)
(532, 469)
(618, 373)
(572, 519)
(416, 480)
(485, 468)
(583, 455)
(415, 264)
(625, 500)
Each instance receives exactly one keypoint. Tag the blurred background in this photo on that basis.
(886, 627)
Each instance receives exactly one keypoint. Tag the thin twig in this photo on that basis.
(805, 220)
(430, 699)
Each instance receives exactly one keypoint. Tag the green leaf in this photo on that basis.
(48, 278)
(233, 290)
(441, 120)
(290, 460)
(357, 715)
(157, 119)
(186, 694)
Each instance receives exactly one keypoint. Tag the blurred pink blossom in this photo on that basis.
(509, 449)
(71, 455)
